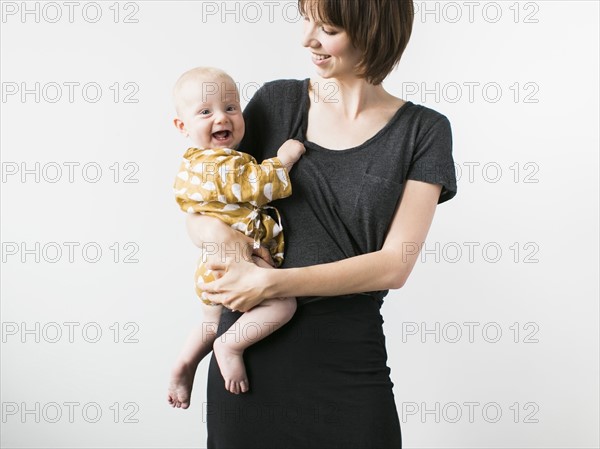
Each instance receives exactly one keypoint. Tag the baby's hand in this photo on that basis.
(290, 152)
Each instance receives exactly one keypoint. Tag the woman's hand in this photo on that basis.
(230, 254)
(242, 284)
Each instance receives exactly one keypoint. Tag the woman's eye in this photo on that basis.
(328, 32)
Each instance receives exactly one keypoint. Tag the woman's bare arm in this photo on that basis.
(245, 285)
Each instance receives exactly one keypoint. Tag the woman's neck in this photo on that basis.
(349, 97)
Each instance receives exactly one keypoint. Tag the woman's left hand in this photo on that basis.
(242, 283)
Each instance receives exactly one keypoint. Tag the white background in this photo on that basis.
(543, 218)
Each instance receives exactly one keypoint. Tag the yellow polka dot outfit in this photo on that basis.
(235, 188)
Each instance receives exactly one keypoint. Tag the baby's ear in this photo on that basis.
(180, 126)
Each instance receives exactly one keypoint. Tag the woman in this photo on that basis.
(364, 195)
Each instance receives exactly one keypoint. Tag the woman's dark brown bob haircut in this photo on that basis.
(380, 29)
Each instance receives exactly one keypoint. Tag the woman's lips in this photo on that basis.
(320, 59)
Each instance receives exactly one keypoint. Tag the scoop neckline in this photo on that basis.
(316, 146)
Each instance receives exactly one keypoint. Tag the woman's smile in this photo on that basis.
(319, 59)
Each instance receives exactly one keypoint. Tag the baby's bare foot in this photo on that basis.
(232, 367)
(180, 388)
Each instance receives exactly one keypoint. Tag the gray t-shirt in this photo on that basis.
(343, 201)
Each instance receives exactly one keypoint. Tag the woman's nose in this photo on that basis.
(308, 35)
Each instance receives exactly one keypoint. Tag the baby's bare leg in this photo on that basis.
(199, 343)
(253, 326)
(197, 346)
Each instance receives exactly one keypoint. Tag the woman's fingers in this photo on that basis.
(239, 308)
(216, 296)
(212, 292)
(235, 305)
(233, 286)
(207, 287)
(216, 266)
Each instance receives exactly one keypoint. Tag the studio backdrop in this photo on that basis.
(492, 342)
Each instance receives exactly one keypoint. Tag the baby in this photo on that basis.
(214, 179)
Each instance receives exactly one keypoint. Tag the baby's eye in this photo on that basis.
(204, 111)
(231, 108)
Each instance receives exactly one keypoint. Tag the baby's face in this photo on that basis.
(211, 113)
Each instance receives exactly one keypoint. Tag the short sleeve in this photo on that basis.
(432, 159)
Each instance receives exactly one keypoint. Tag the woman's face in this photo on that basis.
(332, 52)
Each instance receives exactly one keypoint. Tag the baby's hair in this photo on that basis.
(194, 75)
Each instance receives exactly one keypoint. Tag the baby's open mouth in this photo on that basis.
(222, 135)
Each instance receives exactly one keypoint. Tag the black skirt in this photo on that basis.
(321, 381)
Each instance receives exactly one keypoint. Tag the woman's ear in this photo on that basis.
(180, 126)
